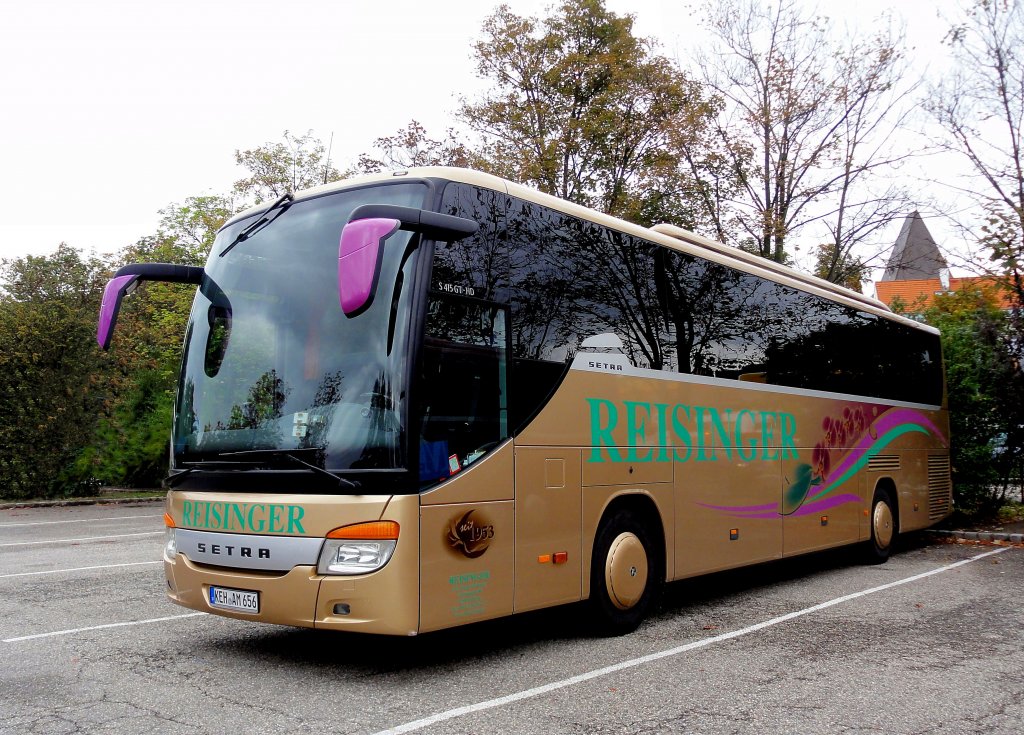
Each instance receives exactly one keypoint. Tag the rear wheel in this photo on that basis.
(625, 573)
(883, 528)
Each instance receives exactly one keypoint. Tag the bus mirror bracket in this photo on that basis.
(127, 280)
(361, 248)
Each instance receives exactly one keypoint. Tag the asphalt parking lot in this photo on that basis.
(932, 641)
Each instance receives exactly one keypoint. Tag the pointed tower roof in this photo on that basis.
(915, 256)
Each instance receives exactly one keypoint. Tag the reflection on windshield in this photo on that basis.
(272, 363)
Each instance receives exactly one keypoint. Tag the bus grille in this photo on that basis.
(884, 463)
(940, 487)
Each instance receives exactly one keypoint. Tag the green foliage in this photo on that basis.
(188, 229)
(52, 389)
(130, 447)
(986, 396)
(1012, 512)
(75, 417)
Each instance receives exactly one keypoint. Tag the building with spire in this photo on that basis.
(917, 271)
(915, 257)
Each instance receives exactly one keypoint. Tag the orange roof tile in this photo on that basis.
(919, 294)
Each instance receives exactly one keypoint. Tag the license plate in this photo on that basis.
(229, 599)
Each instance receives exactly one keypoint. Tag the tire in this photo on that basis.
(883, 528)
(625, 574)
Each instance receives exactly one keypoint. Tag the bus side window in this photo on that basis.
(464, 394)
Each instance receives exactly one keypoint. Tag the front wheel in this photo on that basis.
(625, 573)
(883, 528)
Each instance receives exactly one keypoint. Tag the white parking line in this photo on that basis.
(537, 691)
(99, 627)
(86, 538)
(80, 569)
(75, 520)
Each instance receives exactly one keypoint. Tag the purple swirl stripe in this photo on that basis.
(885, 423)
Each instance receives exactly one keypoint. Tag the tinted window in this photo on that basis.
(476, 266)
(464, 400)
(571, 279)
(464, 397)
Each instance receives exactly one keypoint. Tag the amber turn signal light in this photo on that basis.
(371, 530)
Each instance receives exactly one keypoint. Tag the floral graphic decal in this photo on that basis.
(816, 487)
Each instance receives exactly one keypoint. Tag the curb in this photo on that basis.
(79, 501)
(1013, 538)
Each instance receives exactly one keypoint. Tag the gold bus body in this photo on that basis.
(532, 507)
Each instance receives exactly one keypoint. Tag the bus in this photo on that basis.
(425, 398)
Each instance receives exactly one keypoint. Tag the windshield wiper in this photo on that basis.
(277, 209)
(288, 455)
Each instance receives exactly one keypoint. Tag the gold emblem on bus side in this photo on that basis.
(470, 534)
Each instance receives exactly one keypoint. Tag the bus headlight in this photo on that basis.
(170, 545)
(358, 549)
(170, 542)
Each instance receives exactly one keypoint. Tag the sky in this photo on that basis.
(110, 110)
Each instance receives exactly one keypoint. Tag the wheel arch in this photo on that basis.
(642, 505)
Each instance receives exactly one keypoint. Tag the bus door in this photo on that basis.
(467, 520)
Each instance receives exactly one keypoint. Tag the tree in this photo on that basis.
(835, 264)
(192, 226)
(51, 394)
(805, 125)
(580, 107)
(76, 417)
(131, 443)
(986, 396)
(274, 169)
(411, 147)
(980, 106)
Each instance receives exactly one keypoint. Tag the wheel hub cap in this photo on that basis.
(882, 522)
(625, 571)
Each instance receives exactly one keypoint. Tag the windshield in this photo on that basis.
(272, 363)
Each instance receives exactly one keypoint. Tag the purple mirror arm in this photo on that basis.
(434, 225)
(129, 276)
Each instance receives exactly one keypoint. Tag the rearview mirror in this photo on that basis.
(360, 253)
(126, 280)
(361, 248)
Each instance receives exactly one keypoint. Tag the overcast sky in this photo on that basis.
(112, 109)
